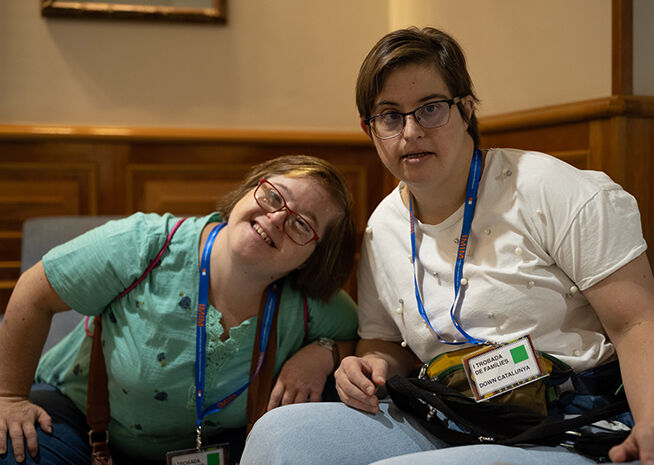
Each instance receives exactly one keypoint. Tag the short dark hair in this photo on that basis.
(428, 46)
(330, 265)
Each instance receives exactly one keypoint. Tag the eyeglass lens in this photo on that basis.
(431, 115)
(295, 225)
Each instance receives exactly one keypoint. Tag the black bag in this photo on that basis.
(436, 406)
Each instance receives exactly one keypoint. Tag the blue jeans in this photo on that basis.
(68, 443)
(319, 433)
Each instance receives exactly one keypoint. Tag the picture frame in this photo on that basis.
(205, 11)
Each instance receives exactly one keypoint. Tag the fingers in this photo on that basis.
(275, 396)
(357, 380)
(315, 396)
(358, 401)
(30, 438)
(3, 437)
(16, 436)
(21, 435)
(618, 453)
(645, 438)
(297, 397)
(285, 395)
(638, 445)
(45, 421)
(18, 421)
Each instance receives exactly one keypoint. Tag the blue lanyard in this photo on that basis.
(468, 213)
(201, 336)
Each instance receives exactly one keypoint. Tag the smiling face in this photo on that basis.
(425, 159)
(258, 237)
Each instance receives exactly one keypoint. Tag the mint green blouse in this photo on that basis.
(149, 335)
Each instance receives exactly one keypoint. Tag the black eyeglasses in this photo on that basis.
(430, 115)
(296, 227)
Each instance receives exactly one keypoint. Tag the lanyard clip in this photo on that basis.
(198, 437)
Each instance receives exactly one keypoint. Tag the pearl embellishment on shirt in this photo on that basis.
(403, 344)
(530, 284)
(574, 289)
(464, 282)
(518, 250)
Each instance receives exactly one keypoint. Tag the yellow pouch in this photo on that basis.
(447, 369)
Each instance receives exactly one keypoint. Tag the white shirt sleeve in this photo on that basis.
(604, 235)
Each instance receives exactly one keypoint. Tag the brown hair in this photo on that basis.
(330, 265)
(408, 46)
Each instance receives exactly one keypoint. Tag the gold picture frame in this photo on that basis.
(205, 11)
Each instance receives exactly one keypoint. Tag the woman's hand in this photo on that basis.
(357, 380)
(638, 445)
(17, 419)
(303, 377)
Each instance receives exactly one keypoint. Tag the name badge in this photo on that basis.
(212, 455)
(493, 370)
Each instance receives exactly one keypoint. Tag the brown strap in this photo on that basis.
(97, 397)
(261, 385)
(98, 413)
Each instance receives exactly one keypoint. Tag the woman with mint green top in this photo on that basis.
(290, 219)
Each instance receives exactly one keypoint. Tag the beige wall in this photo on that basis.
(287, 64)
(524, 53)
(292, 64)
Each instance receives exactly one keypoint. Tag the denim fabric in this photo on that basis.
(68, 443)
(320, 433)
(489, 454)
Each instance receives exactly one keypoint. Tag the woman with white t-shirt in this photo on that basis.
(529, 245)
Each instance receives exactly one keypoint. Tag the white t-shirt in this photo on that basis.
(542, 232)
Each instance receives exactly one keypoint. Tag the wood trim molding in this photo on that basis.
(622, 53)
(179, 134)
(606, 107)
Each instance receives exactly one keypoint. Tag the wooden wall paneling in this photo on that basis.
(559, 138)
(122, 170)
(183, 189)
(42, 188)
(50, 170)
(622, 39)
(108, 159)
(10, 243)
(37, 189)
(639, 171)
(111, 159)
(602, 143)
